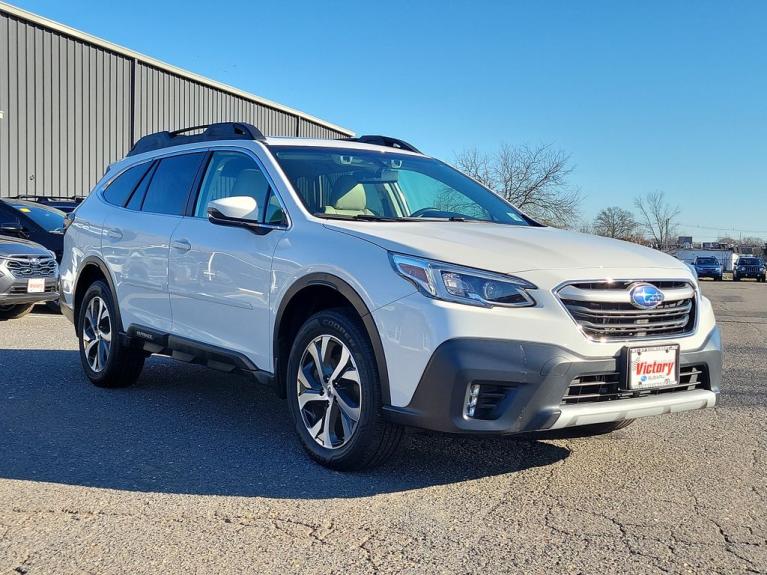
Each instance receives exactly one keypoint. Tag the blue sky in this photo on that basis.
(644, 96)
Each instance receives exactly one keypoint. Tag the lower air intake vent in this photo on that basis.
(607, 386)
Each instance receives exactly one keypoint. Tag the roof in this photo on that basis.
(96, 41)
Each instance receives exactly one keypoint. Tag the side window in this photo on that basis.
(275, 214)
(231, 174)
(120, 189)
(171, 183)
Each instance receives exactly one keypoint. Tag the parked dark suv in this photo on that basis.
(33, 221)
(749, 267)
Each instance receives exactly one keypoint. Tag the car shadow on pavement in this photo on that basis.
(186, 429)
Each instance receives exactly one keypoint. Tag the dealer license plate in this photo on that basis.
(652, 367)
(36, 286)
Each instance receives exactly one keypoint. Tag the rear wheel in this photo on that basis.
(334, 394)
(15, 311)
(106, 362)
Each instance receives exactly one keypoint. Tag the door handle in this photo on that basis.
(181, 245)
(114, 234)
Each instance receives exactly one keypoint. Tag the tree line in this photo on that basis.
(536, 180)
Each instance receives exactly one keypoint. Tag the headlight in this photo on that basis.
(463, 285)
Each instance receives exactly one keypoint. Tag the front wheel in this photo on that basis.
(106, 361)
(15, 311)
(334, 394)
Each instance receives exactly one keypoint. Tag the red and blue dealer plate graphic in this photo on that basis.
(652, 367)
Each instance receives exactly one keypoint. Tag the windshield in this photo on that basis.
(372, 185)
(748, 262)
(50, 219)
(708, 261)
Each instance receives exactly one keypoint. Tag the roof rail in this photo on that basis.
(212, 132)
(384, 141)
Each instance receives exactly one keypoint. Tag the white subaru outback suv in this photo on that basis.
(376, 289)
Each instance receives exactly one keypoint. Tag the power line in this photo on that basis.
(723, 229)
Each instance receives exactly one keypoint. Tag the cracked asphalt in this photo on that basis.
(192, 471)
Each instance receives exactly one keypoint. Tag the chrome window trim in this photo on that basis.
(695, 296)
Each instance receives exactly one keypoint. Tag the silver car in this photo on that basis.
(28, 275)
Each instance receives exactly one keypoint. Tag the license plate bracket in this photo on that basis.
(36, 285)
(651, 367)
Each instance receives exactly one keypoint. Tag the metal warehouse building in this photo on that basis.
(71, 104)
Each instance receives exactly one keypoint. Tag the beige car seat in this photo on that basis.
(348, 198)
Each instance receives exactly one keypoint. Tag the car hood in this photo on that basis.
(505, 248)
(19, 247)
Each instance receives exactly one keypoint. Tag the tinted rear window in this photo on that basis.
(170, 186)
(122, 186)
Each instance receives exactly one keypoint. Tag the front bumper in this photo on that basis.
(534, 378)
(14, 292)
(749, 274)
(709, 273)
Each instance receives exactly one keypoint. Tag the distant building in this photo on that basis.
(726, 256)
(71, 104)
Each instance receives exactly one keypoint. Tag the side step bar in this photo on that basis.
(191, 351)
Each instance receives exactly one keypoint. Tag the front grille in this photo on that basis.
(603, 310)
(607, 386)
(31, 267)
(749, 269)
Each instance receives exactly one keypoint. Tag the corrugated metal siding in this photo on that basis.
(65, 113)
(67, 107)
(165, 101)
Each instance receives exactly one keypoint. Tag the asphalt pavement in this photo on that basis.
(194, 471)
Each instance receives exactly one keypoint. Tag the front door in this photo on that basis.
(220, 275)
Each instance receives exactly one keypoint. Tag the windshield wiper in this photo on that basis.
(357, 217)
(374, 218)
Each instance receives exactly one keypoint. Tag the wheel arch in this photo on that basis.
(93, 268)
(343, 290)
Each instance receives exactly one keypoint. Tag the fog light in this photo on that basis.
(471, 403)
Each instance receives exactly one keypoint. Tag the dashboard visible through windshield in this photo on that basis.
(379, 186)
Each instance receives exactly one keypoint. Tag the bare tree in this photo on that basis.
(535, 179)
(615, 222)
(658, 217)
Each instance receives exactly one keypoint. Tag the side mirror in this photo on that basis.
(12, 229)
(238, 211)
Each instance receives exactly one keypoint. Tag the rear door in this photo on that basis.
(136, 238)
(220, 275)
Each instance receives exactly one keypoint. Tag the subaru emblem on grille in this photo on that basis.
(645, 296)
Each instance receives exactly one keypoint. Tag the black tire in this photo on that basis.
(586, 430)
(122, 365)
(15, 311)
(374, 439)
(53, 306)
(735, 278)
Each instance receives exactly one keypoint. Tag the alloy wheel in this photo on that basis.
(329, 391)
(97, 334)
